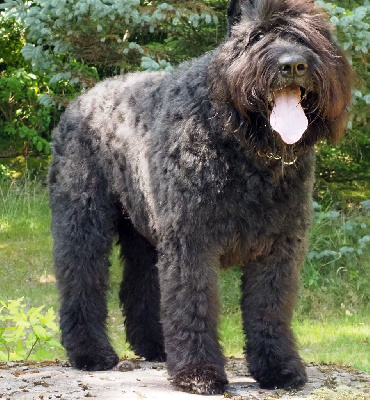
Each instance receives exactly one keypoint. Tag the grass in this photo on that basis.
(340, 340)
(326, 334)
(331, 321)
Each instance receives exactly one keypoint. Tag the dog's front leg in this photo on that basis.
(269, 291)
(189, 315)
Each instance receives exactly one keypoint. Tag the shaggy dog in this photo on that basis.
(205, 167)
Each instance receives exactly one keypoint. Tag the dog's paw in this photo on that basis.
(154, 352)
(156, 356)
(200, 380)
(288, 374)
(98, 360)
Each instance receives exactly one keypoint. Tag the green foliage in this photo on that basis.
(11, 42)
(4, 173)
(75, 43)
(22, 115)
(352, 26)
(101, 33)
(26, 335)
(338, 265)
(352, 20)
(55, 49)
(26, 115)
(19, 111)
(350, 159)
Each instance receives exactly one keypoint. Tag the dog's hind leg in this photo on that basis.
(139, 294)
(269, 290)
(83, 232)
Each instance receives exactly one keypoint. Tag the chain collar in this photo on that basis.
(276, 157)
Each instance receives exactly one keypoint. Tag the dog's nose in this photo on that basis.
(290, 65)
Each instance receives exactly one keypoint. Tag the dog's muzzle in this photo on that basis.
(292, 66)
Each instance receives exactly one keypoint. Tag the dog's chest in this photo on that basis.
(241, 252)
(253, 214)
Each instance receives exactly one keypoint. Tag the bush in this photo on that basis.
(337, 265)
(26, 335)
(26, 116)
(115, 34)
(23, 116)
(350, 159)
(72, 44)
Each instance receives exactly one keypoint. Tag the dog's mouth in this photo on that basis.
(287, 116)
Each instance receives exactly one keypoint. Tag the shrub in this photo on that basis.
(26, 335)
(337, 265)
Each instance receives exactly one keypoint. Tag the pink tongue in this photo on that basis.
(287, 117)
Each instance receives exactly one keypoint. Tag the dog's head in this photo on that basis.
(280, 61)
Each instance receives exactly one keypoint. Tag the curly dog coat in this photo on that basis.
(205, 167)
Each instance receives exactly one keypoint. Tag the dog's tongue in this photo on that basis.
(287, 117)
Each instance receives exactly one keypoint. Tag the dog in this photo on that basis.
(208, 166)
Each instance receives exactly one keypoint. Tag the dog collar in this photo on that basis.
(276, 157)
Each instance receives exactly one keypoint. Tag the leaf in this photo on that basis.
(46, 100)
(39, 146)
(346, 250)
(31, 336)
(50, 315)
(2, 340)
(366, 203)
(53, 343)
(35, 312)
(40, 332)
(19, 349)
(7, 5)
(53, 326)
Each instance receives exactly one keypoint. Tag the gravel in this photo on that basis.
(138, 379)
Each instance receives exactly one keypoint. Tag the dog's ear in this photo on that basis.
(235, 10)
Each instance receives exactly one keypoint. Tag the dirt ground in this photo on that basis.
(137, 379)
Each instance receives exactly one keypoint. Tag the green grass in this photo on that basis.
(331, 321)
(342, 340)
(327, 333)
(25, 244)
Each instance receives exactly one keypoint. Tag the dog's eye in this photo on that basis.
(256, 38)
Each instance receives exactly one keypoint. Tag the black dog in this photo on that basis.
(205, 167)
